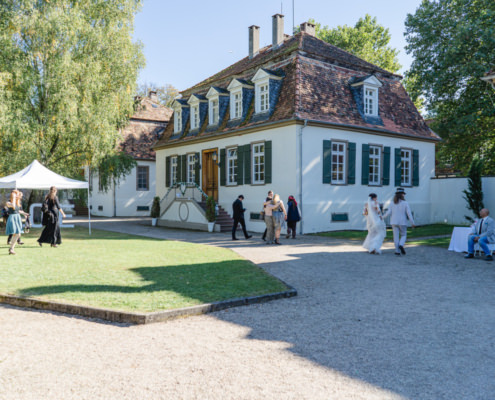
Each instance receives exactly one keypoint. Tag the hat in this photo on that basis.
(400, 190)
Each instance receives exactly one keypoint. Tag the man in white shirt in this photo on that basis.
(483, 232)
(401, 212)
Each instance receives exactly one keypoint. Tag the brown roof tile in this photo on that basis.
(316, 86)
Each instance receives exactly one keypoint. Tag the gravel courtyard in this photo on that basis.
(362, 327)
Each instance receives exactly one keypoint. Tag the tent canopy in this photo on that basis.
(36, 176)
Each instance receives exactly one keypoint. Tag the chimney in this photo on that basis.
(254, 41)
(308, 28)
(153, 96)
(277, 30)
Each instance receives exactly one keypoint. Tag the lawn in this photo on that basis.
(419, 232)
(129, 273)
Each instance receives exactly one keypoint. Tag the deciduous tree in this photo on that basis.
(70, 73)
(165, 93)
(453, 45)
(367, 39)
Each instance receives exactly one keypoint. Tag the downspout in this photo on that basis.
(301, 230)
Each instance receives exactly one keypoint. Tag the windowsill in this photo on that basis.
(142, 190)
(338, 183)
(257, 183)
(262, 112)
(375, 184)
(231, 184)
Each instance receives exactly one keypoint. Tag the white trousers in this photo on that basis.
(400, 236)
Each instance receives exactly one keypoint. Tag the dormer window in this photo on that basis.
(177, 120)
(264, 96)
(238, 88)
(369, 85)
(370, 101)
(263, 80)
(236, 105)
(195, 117)
(214, 111)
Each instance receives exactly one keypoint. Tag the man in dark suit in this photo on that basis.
(238, 215)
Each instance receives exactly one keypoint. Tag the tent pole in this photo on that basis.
(89, 212)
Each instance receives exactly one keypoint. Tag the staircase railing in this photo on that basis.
(186, 189)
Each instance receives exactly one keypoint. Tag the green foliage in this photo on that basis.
(113, 168)
(70, 69)
(166, 94)
(474, 194)
(367, 40)
(453, 44)
(210, 209)
(155, 208)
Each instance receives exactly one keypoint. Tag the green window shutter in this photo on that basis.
(386, 166)
(351, 163)
(365, 165)
(167, 171)
(197, 170)
(327, 161)
(223, 167)
(240, 165)
(183, 168)
(268, 162)
(247, 164)
(415, 168)
(398, 163)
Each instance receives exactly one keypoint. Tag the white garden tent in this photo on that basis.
(36, 176)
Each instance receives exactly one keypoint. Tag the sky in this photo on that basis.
(187, 41)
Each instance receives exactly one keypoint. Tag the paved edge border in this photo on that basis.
(142, 318)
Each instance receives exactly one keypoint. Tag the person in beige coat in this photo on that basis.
(400, 214)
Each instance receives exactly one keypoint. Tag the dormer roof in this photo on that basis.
(236, 83)
(216, 91)
(196, 98)
(370, 80)
(263, 73)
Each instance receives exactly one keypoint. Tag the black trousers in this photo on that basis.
(291, 227)
(240, 220)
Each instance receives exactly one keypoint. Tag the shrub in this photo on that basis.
(155, 208)
(210, 209)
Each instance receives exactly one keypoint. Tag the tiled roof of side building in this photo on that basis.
(149, 110)
(316, 86)
(139, 137)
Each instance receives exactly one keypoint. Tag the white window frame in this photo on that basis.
(262, 92)
(214, 108)
(375, 165)
(232, 167)
(173, 170)
(195, 117)
(178, 120)
(406, 167)
(339, 176)
(370, 101)
(258, 163)
(236, 104)
(191, 168)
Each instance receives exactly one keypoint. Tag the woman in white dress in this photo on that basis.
(375, 225)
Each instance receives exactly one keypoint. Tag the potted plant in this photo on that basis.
(155, 210)
(210, 213)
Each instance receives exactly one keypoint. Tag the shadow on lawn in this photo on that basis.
(197, 281)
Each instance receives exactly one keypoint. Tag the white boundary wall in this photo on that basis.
(448, 203)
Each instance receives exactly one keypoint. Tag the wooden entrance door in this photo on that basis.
(210, 173)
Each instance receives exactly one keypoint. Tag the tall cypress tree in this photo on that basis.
(474, 194)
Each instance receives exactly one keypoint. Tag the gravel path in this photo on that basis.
(362, 327)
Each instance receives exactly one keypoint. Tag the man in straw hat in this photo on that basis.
(400, 212)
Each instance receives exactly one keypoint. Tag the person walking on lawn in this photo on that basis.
(238, 214)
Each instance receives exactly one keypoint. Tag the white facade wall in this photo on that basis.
(447, 199)
(296, 148)
(124, 200)
(284, 170)
(321, 200)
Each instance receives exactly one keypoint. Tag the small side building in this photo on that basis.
(134, 194)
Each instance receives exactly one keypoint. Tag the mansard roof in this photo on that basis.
(316, 86)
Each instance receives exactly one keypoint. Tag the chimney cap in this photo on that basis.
(254, 27)
(278, 15)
